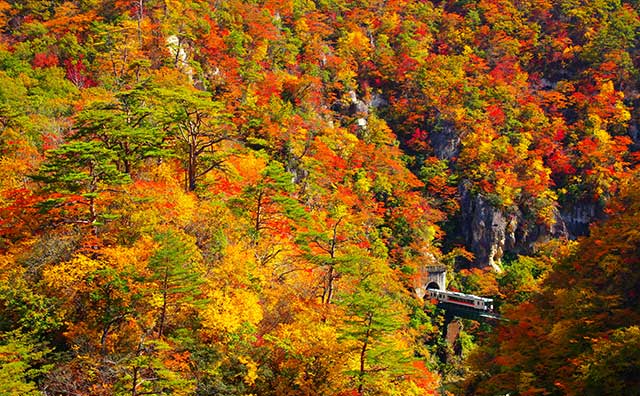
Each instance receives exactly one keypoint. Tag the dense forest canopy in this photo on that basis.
(208, 197)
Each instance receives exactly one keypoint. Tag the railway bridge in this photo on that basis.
(431, 282)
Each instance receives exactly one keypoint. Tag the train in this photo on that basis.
(466, 300)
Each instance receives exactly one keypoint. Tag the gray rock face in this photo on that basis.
(579, 216)
(377, 101)
(489, 232)
(445, 141)
(484, 229)
(358, 106)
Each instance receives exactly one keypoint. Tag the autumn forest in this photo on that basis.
(243, 197)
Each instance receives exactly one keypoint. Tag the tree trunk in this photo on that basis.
(140, 16)
(103, 339)
(134, 380)
(328, 291)
(191, 168)
(327, 295)
(363, 354)
(163, 311)
(257, 224)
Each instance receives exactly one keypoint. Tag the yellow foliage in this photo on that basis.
(624, 114)
(65, 277)
(252, 370)
(162, 201)
(310, 345)
(378, 131)
(174, 7)
(341, 141)
(9, 270)
(260, 53)
(607, 87)
(10, 172)
(546, 207)
(228, 310)
(248, 167)
(186, 205)
(232, 301)
(357, 40)
(391, 22)
(308, 335)
(122, 257)
(362, 184)
(155, 299)
(347, 76)
(302, 28)
(505, 188)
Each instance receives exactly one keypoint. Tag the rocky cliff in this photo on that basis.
(488, 231)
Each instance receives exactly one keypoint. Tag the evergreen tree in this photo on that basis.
(22, 363)
(125, 123)
(76, 175)
(198, 127)
(375, 319)
(175, 277)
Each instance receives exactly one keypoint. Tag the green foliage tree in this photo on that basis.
(125, 124)
(269, 203)
(22, 363)
(80, 174)
(112, 301)
(374, 319)
(147, 372)
(175, 277)
(199, 127)
(322, 249)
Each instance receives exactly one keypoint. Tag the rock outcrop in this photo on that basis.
(578, 216)
(489, 232)
(445, 140)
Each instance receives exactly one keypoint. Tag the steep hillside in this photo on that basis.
(235, 197)
(579, 335)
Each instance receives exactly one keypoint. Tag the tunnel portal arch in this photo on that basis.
(430, 277)
(433, 285)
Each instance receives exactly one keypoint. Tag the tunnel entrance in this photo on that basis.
(430, 277)
(433, 285)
